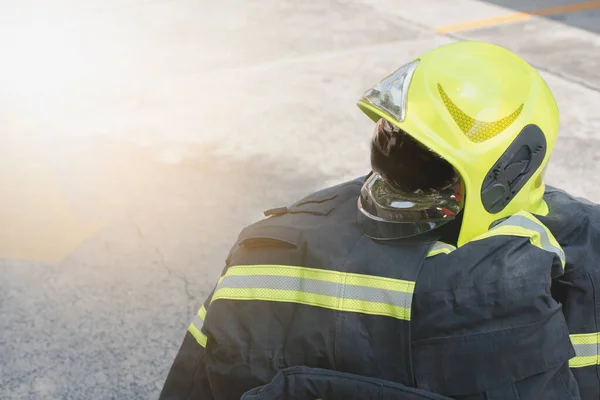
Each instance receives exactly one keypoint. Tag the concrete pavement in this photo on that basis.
(165, 127)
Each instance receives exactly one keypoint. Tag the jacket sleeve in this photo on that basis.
(188, 377)
(485, 325)
(204, 367)
(577, 226)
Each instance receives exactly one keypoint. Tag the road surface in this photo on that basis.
(137, 137)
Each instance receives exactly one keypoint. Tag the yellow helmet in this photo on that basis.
(485, 111)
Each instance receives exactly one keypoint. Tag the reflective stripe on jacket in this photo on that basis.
(305, 289)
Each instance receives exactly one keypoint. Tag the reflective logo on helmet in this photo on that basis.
(477, 131)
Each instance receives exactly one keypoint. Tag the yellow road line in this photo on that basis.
(520, 16)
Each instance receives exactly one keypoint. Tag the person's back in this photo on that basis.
(456, 283)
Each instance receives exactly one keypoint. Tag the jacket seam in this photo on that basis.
(194, 370)
(571, 397)
(340, 316)
(478, 335)
(477, 285)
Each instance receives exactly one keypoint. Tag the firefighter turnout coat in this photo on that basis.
(308, 307)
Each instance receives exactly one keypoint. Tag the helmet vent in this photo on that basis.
(514, 168)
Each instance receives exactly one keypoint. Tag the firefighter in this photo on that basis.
(450, 271)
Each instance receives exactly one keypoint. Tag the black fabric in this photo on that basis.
(476, 363)
(576, 225)
(269, 233)
(284, 334)
(505, 392)
(302, 383)
(486, 318)
(501, 282)
(187, 378)
(587, 382)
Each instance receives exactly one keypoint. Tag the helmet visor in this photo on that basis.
(411, 191)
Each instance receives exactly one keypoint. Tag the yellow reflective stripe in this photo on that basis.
(585, 361)
(587, 350)
(585, 338)
(321, 275)
(316, 287)
(511, 230)
(549, 234)
(312, 299)
(196, 326)
(199, 336)
(202, 312)
(440, 248)
(524, 224)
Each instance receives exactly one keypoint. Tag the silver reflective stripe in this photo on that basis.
(354, 292)
(531, 225)
(586, 350)
(198, 322)
(195, 327)
(443, 247)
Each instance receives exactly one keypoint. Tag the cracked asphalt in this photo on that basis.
(137, 138)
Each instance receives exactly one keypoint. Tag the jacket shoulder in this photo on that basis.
(567, 211)
(283, 234)
(490, 300)
(575, 222)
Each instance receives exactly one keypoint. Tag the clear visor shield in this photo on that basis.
(411, 191)
(385, 212)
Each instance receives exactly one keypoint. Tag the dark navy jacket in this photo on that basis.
(308, 307)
